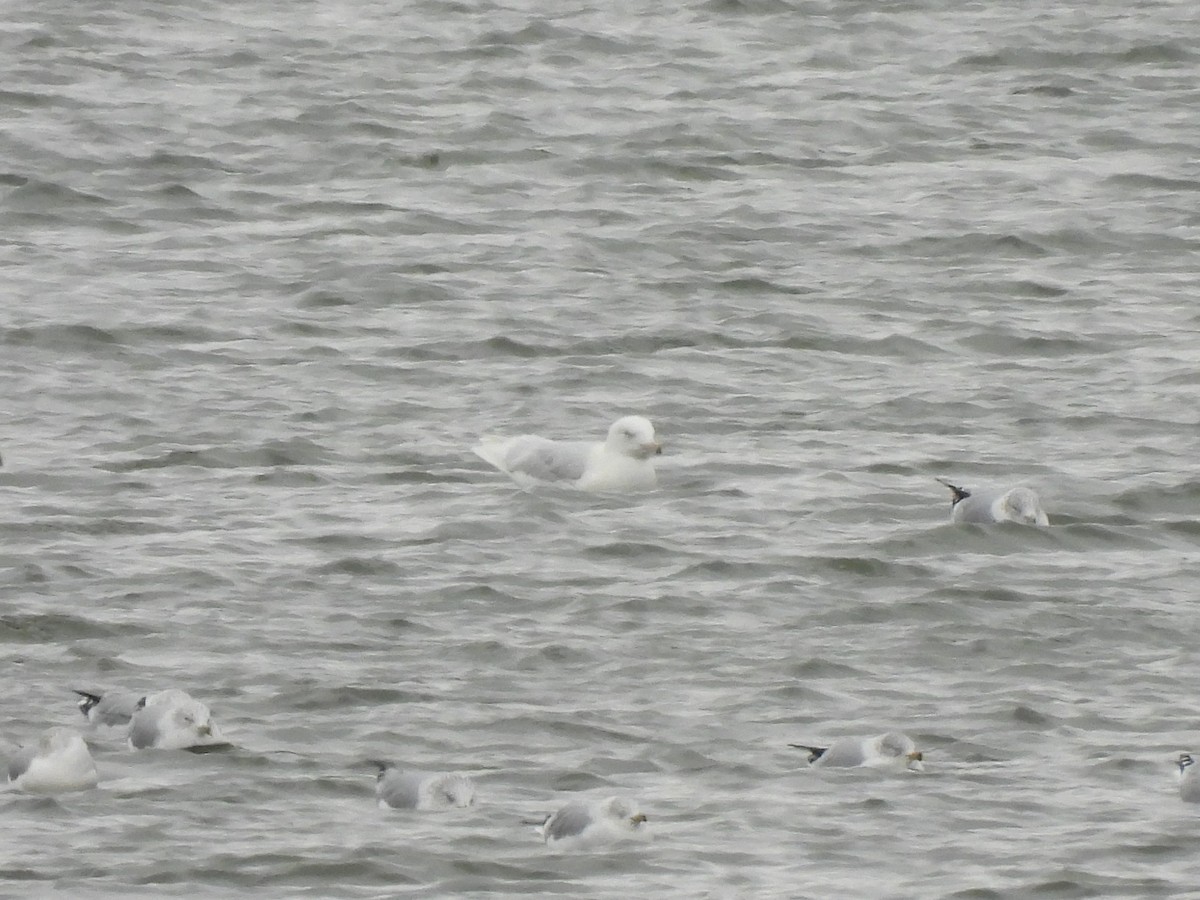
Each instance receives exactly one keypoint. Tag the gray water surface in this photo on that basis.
(270, 270)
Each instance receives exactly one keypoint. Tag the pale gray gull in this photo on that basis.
(173, 720)
(583, 822)
(59, 762)
(1189, 779)
(884, 751)
(1019, 504)
(421, 790)
(624, 461)
(111, 708)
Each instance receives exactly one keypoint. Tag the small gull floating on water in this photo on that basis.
(583, 822)
(1189, 779)
(59, 762)
(173, 720)
(624, 461)
(421, 790)
(1019, 504)
(884, 751)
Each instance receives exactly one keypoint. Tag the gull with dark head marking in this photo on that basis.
(594, 822)
(59, 762)
(1189, 778)
(885, 751)
(173, 720)
(623, 462)
(112, 708)
(1019, 504)
(421, 790)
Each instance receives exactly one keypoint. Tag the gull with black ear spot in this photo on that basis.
(623, 462)
(982, 507)
(1189, 778)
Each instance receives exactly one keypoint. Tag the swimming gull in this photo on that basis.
(622, 462)
(594, 822)
(1019, 504)
(113, 708)
(884, 751)
(421, 790)
(173, 720)
(1189, 779)
(59, 762)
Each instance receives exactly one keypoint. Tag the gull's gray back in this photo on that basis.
(547, 460)
(145, 727)
(846, 752)
(573, 819)
(401, 790)
(977, 508)
(19, 764)
(113, 707)
(1190, 790)
(1189, 787)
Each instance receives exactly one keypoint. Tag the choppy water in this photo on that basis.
(269, 269)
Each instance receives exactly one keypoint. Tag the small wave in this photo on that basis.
(1154, 182)
(288, 477)
(869, 566)
(295, 452)
(643, 344)
(538, 31)
(819, 667)
(689, 171)
(748, 7)
(345, 541)
(61, 337)
(178, 162)
(1009, 246)
(81, 337)
(32, 100)
(359, 565)
(1046, 90)
(323, 298)
(313, 696)
(742, 571)
(1005, 344)
(176, 202)
(338, 208)
(40, 628)
(625, 550)
(47, 197)
(1040, 58)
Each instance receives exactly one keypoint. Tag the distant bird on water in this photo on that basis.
(59, 762)
(421, 790)
(1189, 778)
(885, 751)
(173, 720)
(623, 462)
(1019, 504)
(583, 822)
